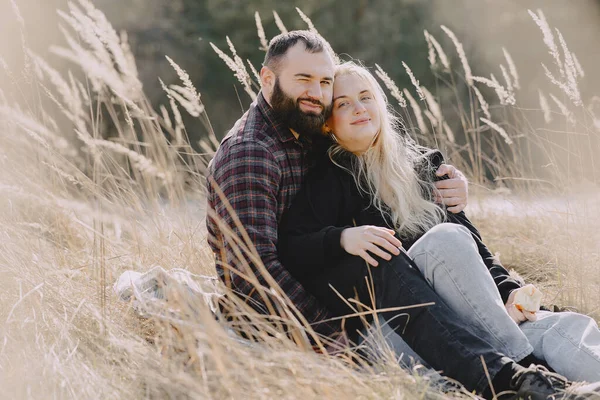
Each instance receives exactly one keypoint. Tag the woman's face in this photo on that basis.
(355, 118)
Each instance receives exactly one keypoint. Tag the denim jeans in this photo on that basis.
(448, 258)
(435, 332)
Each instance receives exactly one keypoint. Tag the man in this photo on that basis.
(255, 175)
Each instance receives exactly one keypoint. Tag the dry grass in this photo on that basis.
(551, 240)
(119, 187)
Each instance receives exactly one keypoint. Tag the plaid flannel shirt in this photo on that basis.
(260, 167)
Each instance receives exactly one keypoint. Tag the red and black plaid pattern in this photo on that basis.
(259, 167)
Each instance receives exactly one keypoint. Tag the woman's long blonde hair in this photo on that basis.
(386, 171)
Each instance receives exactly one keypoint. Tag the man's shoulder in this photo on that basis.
(251, 131)
(250, 141)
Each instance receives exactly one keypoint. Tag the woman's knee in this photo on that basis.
(445, 237)
(445, 249)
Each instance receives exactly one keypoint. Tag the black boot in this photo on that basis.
(537, 383)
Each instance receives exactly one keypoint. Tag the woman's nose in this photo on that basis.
(359, 108)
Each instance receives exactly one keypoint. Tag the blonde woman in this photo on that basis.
(367, 210)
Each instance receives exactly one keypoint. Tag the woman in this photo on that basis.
(371, 199)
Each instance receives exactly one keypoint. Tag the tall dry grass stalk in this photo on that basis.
(118, 186)
(526, 153)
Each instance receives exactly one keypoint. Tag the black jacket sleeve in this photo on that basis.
(427, 164)
(310, 230)
(503, 280)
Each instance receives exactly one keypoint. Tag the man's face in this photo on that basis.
(303, 89)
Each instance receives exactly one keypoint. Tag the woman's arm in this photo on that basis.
(310, 231)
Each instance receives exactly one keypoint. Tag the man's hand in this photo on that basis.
(339, 344)
(360, 240)
(454, 191)
(518, 315)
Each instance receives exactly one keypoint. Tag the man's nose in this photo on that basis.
(315, 92)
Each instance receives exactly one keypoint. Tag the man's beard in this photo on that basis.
(288, 110)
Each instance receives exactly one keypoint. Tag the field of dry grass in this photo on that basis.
(553, 241)
(78, 209)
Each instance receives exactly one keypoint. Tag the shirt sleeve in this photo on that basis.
(310, 233)
(249, 177)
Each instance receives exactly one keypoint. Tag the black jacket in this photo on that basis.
(329, 202)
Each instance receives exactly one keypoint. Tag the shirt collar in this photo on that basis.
(283, 132)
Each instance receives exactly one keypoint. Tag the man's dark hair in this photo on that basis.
(280, 44)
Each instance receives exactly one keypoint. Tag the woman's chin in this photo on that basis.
(365, 130)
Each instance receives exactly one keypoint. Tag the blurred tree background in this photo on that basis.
(386, 32)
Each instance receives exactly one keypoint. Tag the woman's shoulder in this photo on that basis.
(329, 176)
(321, 165)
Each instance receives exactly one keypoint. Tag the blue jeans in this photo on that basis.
(447, 257)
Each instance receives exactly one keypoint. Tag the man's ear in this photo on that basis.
(267, 79)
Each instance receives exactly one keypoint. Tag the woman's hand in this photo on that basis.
(518, 314)
(362, 240)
